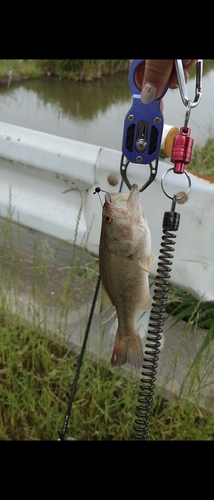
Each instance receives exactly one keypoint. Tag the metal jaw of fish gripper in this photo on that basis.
(123, 168)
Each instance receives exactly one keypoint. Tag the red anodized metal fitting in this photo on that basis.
(182, 150)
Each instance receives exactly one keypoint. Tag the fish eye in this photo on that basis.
(107, 218)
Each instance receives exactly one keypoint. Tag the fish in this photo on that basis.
(124, 265)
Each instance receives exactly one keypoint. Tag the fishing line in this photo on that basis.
(79, 364)
(97, 190)
(82, 352)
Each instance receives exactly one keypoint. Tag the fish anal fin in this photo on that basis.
(146, 305)
(106, 302)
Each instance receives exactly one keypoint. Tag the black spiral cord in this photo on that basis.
(170, 223)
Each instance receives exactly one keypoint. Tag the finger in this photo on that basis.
(160, 71)
(153, 76)
(174, 78)
(189, 63)
(139, 73)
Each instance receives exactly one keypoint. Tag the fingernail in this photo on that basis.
(173, 86)
(148, 93)
(186, 61)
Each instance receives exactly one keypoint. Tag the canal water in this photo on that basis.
(94, 112)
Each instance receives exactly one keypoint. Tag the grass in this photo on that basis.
(21, 68)
(202, 161)
(73, 69)
(88, 69)
(36, 377)
(183, 306)
(35, 383)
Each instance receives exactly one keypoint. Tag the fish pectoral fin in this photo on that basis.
(106, 302)
(139, 263)
(146, 265)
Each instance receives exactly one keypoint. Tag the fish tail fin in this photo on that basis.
(127, 349)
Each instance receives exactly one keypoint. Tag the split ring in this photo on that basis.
(167, 194)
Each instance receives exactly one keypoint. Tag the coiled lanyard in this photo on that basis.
(143, 129)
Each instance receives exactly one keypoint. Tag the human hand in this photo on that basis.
(153, 76)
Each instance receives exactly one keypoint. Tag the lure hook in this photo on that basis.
(97, 190)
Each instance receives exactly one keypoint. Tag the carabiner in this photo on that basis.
(182, 83)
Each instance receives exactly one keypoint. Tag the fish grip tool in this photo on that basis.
(142, 132)
(181, 156)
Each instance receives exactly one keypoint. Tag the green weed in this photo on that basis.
(35, 384)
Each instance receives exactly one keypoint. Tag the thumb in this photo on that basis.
(155, 76)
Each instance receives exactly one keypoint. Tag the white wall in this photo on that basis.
(52, 180)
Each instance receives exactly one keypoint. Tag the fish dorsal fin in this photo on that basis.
(106, 302)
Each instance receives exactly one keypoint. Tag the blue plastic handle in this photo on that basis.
(143, 124)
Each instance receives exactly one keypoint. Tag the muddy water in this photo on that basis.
(94, 112)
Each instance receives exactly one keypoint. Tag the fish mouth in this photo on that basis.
(134, 194)
(115, 197)
(134, 188)
(134, 208)
(107, 198)
(113, 203)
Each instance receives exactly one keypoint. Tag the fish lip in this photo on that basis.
(112, 210)
(115, 209)
(107, 198)
(134, 188)
(130, 209)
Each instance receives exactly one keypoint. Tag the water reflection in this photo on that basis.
(82, 100)
(94, 111)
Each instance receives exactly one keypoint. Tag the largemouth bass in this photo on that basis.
(124, 262)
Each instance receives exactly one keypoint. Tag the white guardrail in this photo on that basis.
(50, 178)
